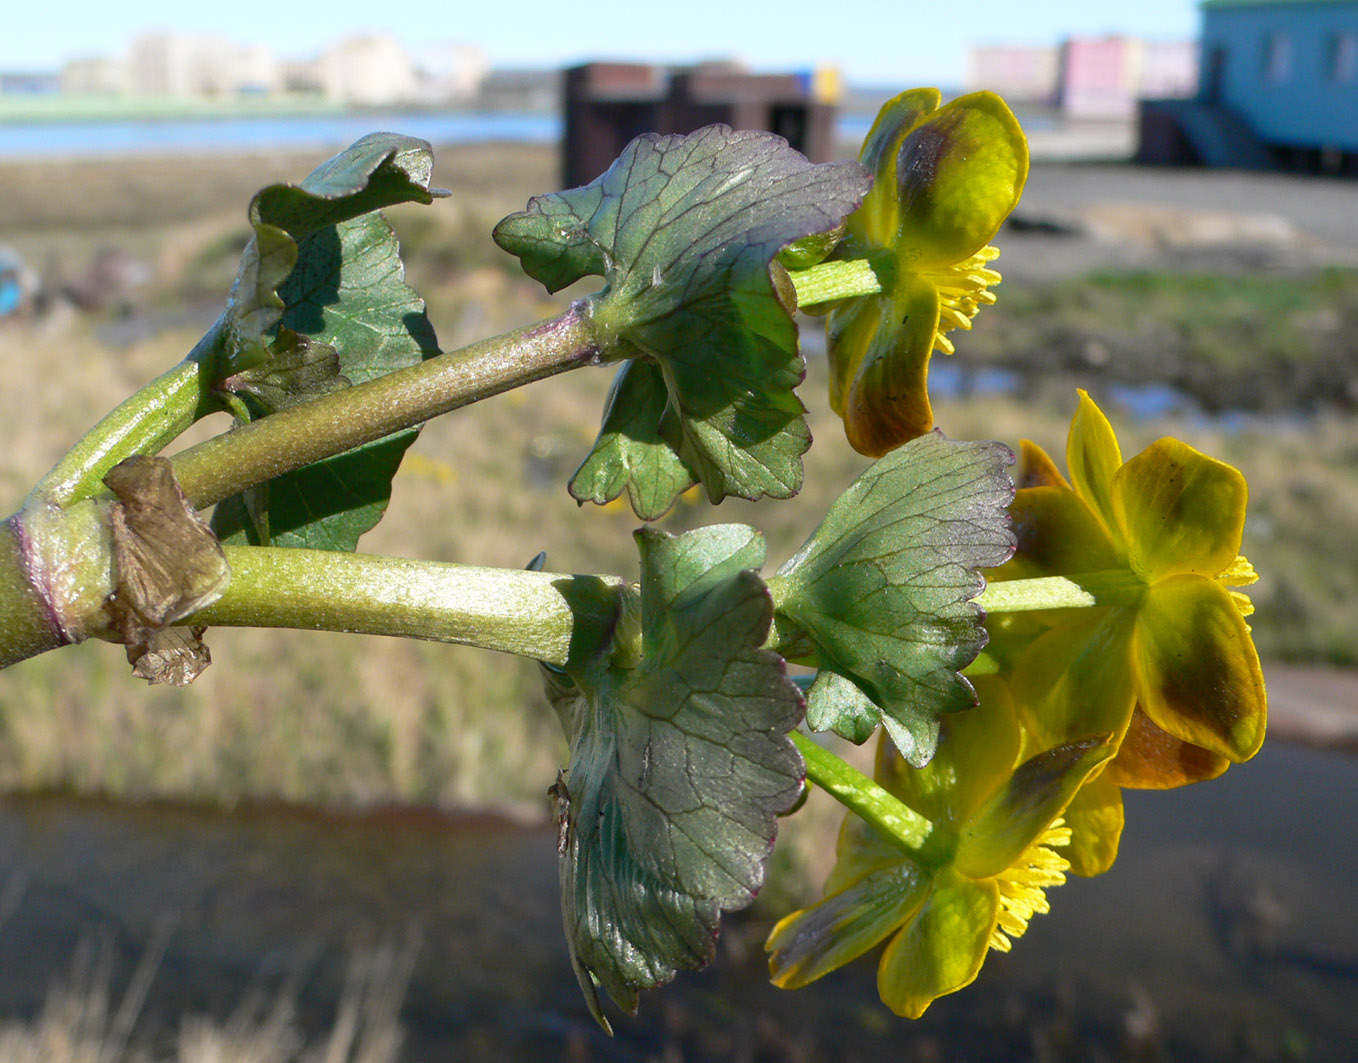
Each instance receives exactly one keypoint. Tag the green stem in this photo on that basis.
(27, 626)
(834, 280)
(863, 796)
(145, 423)
(540, 615)
(1081, 591)
(341, 420)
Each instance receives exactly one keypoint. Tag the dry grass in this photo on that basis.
(350, 720)
(82, 1022)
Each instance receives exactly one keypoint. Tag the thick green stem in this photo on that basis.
(27, 625)
(863, 796)
(540, 615)
(145, 423)
(834, 280)
(1081, 591)
(340, 420)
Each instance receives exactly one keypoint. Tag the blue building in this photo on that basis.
(1278, 86)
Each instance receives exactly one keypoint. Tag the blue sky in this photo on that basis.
(881, 42)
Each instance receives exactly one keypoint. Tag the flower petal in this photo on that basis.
(815, 941)
(977, 750)
(1093, 456)
(1058, 535)
(887, 402)
(1036, 468)
(1037, 792)
(1198, 674)
(878, 218)
(1150, 759)
(959, 173)
(1095, 818)
(851, 331)
(942, 948)
(1181, 511)
(1078, 679)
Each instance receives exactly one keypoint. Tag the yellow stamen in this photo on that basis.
(963, 289)
(1022, 886)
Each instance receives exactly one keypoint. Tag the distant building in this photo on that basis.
(373, 70)
(521, 90)
(171, 63)
(94, 75)
(1086, 77)
(1018, 73)
(1289, 68)
(608, 104)
(1278, 85)
(1103, 77)
(449, 73)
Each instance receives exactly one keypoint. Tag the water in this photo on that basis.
(152, 136)
(1226, 931)
(174, 136)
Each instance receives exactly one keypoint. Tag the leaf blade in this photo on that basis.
(883, 588)
(680, 762)
(683, 230)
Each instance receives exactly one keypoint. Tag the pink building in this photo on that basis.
(1103, 77)
(1016, 72)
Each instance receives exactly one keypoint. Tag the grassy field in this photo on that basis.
(354, 721)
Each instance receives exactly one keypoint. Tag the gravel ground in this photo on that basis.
(1075, 217)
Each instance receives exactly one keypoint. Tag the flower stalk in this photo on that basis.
(863, 796)
(338, 421)
(1082, 590)
(531, 614)
(144, 423)
(829, 281)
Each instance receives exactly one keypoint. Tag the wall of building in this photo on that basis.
(1291, 69)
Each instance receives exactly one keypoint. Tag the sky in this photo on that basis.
(874, 42)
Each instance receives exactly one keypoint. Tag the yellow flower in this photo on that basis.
(944, 179)
(1170, 669)
(970, 887)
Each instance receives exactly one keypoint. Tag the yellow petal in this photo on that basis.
(1180, 511)
(1078, 679)
(959, 172)
(851, 330)
(815, 941)
(977, 751)
(1019, 812)
(1151, 759)
(1036, 468)
(887, 403)
(1058, 535)
(1093, 456)
(1095, 818)
(879, 217)
(942, 948)
(861, 849)
(1198, 672)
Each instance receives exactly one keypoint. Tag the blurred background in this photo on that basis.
(334, 848)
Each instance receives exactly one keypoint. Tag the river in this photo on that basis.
(1226, 931)
(179, 136)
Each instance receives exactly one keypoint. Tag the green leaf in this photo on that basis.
(683, 230)
(377, 171)
(347, 294)
(882, 589)
(680, 762)
(630, 453)
(299, 369)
